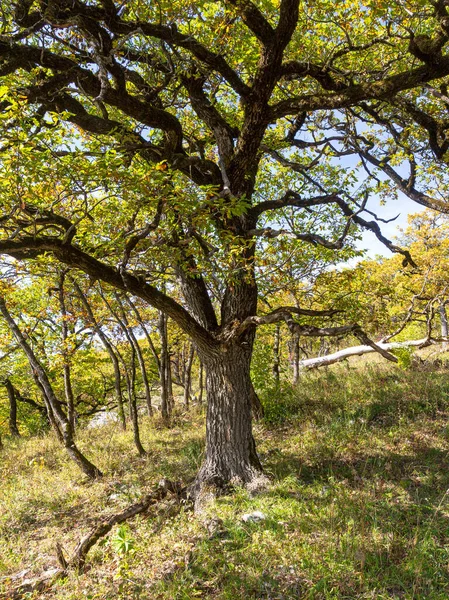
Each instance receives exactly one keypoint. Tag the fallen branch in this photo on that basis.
(78, 559)
(322, 361)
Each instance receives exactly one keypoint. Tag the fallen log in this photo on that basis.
(322, 361)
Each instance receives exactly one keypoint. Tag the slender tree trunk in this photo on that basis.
(295, 357)
(171, 396)
(230, 449)
(68, 389)
(130, 379)
(133, 341)
(201, 384)
(444, 324)
(132, 404)
(58, 417)
(109, 349)
(13, 429)
(276, 355)
(164, 362)
(146, 333)
(188, 377)
(256, 405)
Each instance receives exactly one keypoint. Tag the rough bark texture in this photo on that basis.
(230, 450)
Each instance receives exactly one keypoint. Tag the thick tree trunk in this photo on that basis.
(13, 429)
(231, 456)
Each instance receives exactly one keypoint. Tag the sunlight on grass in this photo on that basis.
(358, 507)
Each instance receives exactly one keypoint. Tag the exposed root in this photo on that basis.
(204, 490)
(78, 559)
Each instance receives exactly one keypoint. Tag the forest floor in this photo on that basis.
(358, 506)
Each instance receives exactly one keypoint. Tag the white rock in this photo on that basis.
(254, 516)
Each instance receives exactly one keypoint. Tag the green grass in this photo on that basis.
(358, 507)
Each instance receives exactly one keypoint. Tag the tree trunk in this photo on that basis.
(128, 330)
(201, 384)
(295, 357)
(256, 405)
(164, 367)
(276, 356)
(230, 449)
(13, 429)
(188, 376)
(444, 324)
(132, 404)
(57, 416)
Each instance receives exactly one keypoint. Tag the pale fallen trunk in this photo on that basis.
(322, 361)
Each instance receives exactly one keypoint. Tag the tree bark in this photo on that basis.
(13, 429)
(231, 456)
(58, 418)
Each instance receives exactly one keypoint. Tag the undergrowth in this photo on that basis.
(358, 507)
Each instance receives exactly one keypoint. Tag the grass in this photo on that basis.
(358, 507)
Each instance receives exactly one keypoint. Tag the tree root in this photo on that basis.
(78, 559)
